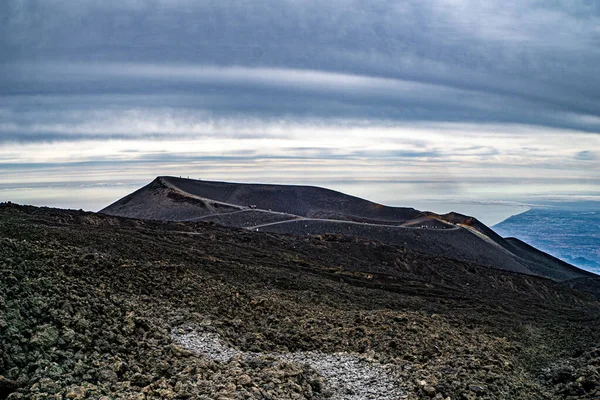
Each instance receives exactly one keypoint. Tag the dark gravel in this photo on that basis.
(89, 305)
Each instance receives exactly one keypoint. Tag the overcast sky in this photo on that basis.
(499, 95)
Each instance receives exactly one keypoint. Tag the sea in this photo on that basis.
(568, 231)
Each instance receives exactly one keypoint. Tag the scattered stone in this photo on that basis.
(75, 392)
(244, 380)
(215, 313)
(477, 388)
(429, 390)
(107, 375)
(46, 336)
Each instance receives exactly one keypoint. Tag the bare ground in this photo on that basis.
(89, 304)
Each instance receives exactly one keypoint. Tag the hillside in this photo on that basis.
(97, 306)
(206, 197)
(307, 210)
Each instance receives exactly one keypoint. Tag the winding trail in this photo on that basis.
(293, 218)
(336, 221)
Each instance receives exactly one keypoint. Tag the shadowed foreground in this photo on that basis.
(93, 305)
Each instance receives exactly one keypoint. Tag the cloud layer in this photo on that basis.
(420, 90)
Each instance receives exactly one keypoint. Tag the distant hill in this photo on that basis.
(307, 210)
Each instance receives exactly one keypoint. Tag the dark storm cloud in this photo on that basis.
(510, 62)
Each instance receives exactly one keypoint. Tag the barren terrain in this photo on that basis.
(308, 210)
(97, 306)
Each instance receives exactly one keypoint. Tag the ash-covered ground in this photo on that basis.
(93, 306)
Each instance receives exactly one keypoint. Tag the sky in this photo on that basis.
(436, 104)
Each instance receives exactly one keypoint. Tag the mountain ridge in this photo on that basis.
(311, 210)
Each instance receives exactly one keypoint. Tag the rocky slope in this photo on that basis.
(306, 210)
(96, 306)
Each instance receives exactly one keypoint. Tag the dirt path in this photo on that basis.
(239, 212)
(454, 228)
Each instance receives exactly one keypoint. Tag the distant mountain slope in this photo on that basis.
(456, 243)
(160, 201)
(542, 263)
(307, 210)
(305, 201)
